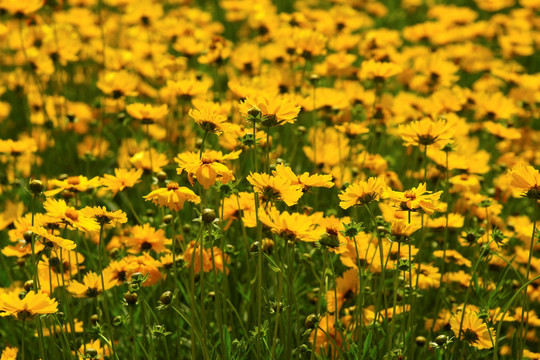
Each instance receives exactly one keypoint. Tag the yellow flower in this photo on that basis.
(100, 351)
(193, 253)
(275, 109)
(58, 210)
(103, 216)
(118, 84)
(275, 188)
(28, 307)
(362, 192)
(305, 180)
(401, 230)
(122, 178)
(141, 160)
(473, 330)
(526, 179)
(210, 120)
(145, 237)
(147, 113)
(378, 71)
(9, 353)
(207, 169)
(52, 240)
(74, 184)
(91, 284)
(416, 199)
(173, 196)
(24, 7)
(427, 132)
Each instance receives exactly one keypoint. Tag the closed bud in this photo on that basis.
(29, 285)
(311, 321)
(166, 298)
(167, 219)
(131, 298)
(92, 353)
(208, 215)
(36, 186)
(94, 319)
(421, 341)
(441, 340)
(28, 236)
(254, 112)
(254, 247)
(301, 129)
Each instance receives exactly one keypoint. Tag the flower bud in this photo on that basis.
(28, 236)
(311, 321)
(208, 215)
(166, 298)
(441, 339)
(36, 186)
(131, 298)
(167, 219)
(161, 176)
(29, 285)
(421, 341)
(94, 319)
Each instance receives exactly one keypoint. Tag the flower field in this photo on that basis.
(257, 179)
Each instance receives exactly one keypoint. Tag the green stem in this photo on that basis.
(319, 296)
(104, 299)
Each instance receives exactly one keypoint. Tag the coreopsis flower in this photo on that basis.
(327, 335)
(58, 211)
(427, 132)
(274, 109)
(18, 147)
(147, 113)
(346, 288)
(208, 168)
(416, 199)
(305, 180)
(236, 205)
(102, 216)
(73, 184)
(173, 196)
(474, 330)
(122, 178)
(362, 192)
(91, 285)
(378, 71)
(93, 350)
(9, 353)
(193, 254)
(32, 304)
(452, 256)
(401, 230)
(141, 160)
(118, 84)
(210, 120)
(21, 8)
(275, 188)
(144, 264)
(145, 237)
(51, 240)
(526, 179)
(332, 238)
(427, 276)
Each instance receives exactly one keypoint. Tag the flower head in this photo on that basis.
(427, 132)
(57, 210)
(32, 304)
(274, 109)
(416, 199)
(173, 196)
(147, 113)
(473, 330)
(526, 179)
(275, 188)
(208, 168)
(91, 284)
(362, 192)
(122, 178)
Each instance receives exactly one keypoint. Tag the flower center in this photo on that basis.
(172, 186)
(72, 214)
(409, 194)
(73, 180)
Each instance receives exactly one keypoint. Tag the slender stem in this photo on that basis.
(525, 304)
(201, 151)
(319, 296)
(104, 299)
